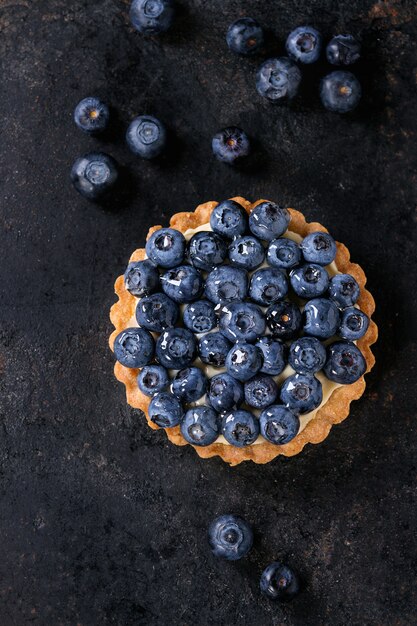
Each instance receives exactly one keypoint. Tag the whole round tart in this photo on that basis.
(243, 330)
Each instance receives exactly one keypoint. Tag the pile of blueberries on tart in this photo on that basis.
(238, 327)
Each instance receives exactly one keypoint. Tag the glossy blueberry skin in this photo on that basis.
(134, 347)
(283, 253)
(245, 36)
(176, 348)
(279, 582)
(278, 80)
(344, 290)
(318, 248)
(229, 219)
(268, 220)
(261, 391)
(301, 393)
(157, 312)
(246, 252)
(273, 352)
(345, 363)
(242, 321)
(141, 278)
(340, 91)
(153, 379)
(199, 317)
(307, 355)
(207, 250)
(268, 285)
(343, 50)
(166, 247)
(213, 349)
(354, 324)
(230, 537)
(309, 281)
(200, 426)
(225, 392)
(304, 44)
(189, 384)
(165, 410)
(243, 361)
(91, 115)
(94, 174)
(183, 283)
(284, 319)
(240, 428)
(226, 284)
(146, 136)
(321, 318)
(279, 424)
(230, 145)
(151, 17)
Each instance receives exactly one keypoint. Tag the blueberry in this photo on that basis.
(176, 348)
(344, 290)
(230, 145)
(244, 361)
(279, 582)
(340, 91)
(240, 428)
(94, 174)
(226, 284)
(225, 392)
(166, 247)
(230, 537)
(284, 319)
(151, 17)
(91, 115)
(343, 50)
(304, 44)
(183, 283)
(354, 324)
(261, 391)
(213, 349)
(207, 250)
(318, 248)
(309, 281)
(279, 424)
(242, 321)
(302, 393)
(146, 136)
(157, 312)
(268, 285)
(245, 36)
(273, 352)
(165, 410)
(134, 347)
(321, 318)
(345, 363)
(200, 426)
(153, 379)
(283, 253)
(199, 317)
(278, 80)
(141, 278)
(269, 220)
(246, 252)
(307, 355)
(189, 384)
(229, 219)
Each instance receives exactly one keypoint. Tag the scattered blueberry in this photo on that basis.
(279, 424)
(273, 352)
(244, 361)
(200, 426)
(343, 50)
(166, 247)
(304, 44)
(283, 253)
(261, 391)
(345, 363)
(246, 252)
(207, 250)
(230, 145)
(344, 290)
(229, 219)
(307, 355)
(321, 318)
(226, 284)
(318, 248)
(157, 312)
(199, 317)
(225, 392)
(91, 115)
(284, 319)
(240, 428)
(278, 80)
(189, 384)
(309, 281)
(242, 321)
(268, 285)
(230, 537)
(213, 349)
(302, 393)
(183, 283)
(279, 582)
(245, 36)
(268, 220)
(146, 136)
(165, 410)
(134, 347)
(176, 348)
(94, 174)
(153, 379)
(340, 91)
(354, 324)
(141, 278)
(151, 17)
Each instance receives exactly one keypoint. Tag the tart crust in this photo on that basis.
(334, 411)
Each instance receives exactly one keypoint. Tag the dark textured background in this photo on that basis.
(101, 520)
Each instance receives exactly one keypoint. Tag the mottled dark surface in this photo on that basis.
(102, 521)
